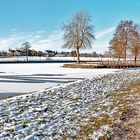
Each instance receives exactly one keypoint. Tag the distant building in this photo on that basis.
(66, 54)
(19, 52)
(60, 55)
(12, 52)
(50, 53)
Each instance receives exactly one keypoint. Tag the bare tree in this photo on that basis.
(78, 33)
(116, 48)
(124, 38)
(124, 33)
(25, 47)
(135, 43)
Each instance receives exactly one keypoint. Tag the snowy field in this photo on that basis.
(16, 79)
(64, 111)
(35, 58)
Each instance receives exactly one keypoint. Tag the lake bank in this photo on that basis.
(25, 78)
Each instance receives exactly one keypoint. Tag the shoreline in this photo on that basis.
(25, 78)
(34, 62)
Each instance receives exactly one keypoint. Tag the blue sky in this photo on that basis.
(40, 21)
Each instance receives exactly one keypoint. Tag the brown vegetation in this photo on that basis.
(123, 123)
(126, 38)
(78, 33)
(86, 66)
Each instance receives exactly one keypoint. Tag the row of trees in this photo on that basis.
(24, 50)
(78, 34)
(126, 40)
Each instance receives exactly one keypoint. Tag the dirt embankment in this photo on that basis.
(127, 127)
(124, 121)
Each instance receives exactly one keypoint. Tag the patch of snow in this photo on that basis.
(59, 111)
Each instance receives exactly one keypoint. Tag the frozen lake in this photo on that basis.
(16, 79)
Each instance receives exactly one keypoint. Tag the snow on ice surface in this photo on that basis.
(60, 111)
(35, 58)
(18, 79)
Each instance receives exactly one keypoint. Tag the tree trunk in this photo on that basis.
(118, 59)
(135, 60)
(125, 54)
(27, 55)
(78, 57)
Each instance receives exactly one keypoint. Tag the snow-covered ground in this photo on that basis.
(35, 58)
(23, 58)
(18, 79)
(62, 112)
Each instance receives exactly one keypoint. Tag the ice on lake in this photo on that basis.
(16, 79)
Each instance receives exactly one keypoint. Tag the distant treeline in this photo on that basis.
(46, 53)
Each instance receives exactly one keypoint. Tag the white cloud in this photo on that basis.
(40, 32)
(54, 42)
(101, 46)
(15, 39)
(6, 42)
(104, 32)
(41, 41)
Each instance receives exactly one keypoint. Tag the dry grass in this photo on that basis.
(86, 66)
(128, 108)
(122, 103)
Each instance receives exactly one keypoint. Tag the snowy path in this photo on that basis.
(16, 79)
